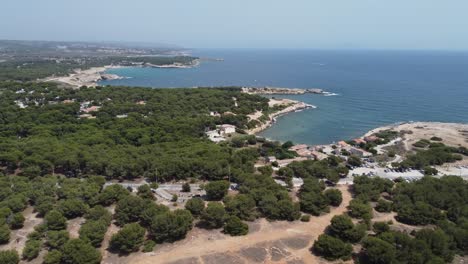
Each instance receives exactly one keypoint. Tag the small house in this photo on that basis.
(227, 129)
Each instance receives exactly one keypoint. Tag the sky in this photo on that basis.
(290, 24)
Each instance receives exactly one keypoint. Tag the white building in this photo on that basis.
(227, 129)
(214, 136)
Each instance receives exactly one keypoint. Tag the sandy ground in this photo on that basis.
(267, 242)
(452, 134)
(88, 77)
(396, 226)
(113, 229)
(106, 255)
(255, 116)
(18, 237)
(74, 225)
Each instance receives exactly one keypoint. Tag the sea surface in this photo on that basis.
(374, 88)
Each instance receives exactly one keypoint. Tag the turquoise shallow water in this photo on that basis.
(375, 87)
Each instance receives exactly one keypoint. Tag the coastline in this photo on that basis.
(90, 77)
(291, 106)
(267, 90)
(195, 63)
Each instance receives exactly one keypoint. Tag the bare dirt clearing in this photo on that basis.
(452, 134)
(274, 242)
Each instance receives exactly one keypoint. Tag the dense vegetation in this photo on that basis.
(439, 205)
(330, 169)
(50, 158)
(162, 139)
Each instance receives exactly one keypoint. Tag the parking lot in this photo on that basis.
(386, 173)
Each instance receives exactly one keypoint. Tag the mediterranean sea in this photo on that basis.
(373, 88)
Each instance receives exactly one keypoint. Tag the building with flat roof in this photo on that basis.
(226, 129)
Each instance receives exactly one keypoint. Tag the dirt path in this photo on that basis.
(18, 237)
(74, 225)
(274, 232)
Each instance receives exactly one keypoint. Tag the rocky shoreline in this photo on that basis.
(292, 106)
(194, 63)
(279, 90)
(90, 77)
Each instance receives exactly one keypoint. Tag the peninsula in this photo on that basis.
(279, 90)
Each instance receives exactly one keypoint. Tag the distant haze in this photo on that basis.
(334, 24)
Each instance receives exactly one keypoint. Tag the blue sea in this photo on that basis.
(374, 88)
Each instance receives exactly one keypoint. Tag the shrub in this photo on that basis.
(214, 215)
(99, 213)
(343, 227)
(53, 257)
(383, 206)
(150, 210)
(72, 208)
(56, 239)
(360, 209)
(379, 251)
(16, 221)
(235, 227)
(112, 194)
(54, 220)
(171, 226)
(334, 196)
(287, 210)
(242, 206)
(128, 239)
(428, 170)
(128, 210)
(380, 227)
(31, 249)
(9, 257)
(93, 231)
(148, 246)
(216, 190)
(186, 187)
(4, 234)
(77, 251)
(195, 206)
(422, 143)
(44, 204)
(332, 248)
(354, 161)
(314, 203)
(144, 191)
(305, 218)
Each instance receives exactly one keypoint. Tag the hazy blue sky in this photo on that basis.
(395, 24)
